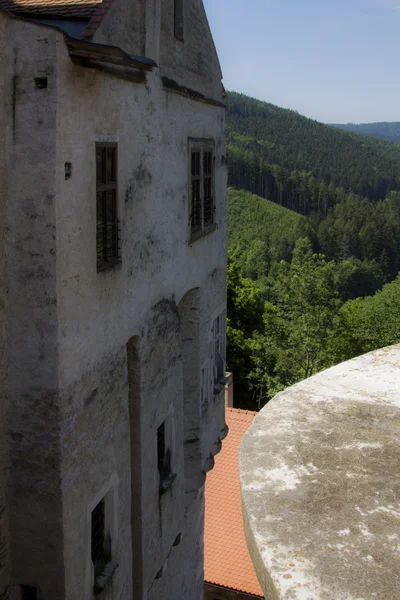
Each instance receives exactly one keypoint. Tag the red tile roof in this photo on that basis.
(75, 9)
(227, 560)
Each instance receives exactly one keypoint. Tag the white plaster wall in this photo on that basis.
(71, 426)
(123, 26)
(194, 62)
(32, 371)
(99, 312)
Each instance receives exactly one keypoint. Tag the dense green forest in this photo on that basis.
(383, 130)
(300, 163)
(305, 293)
(314, 257)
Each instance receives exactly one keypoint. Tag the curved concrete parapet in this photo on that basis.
(320, 479)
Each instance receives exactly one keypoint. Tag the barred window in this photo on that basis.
(202, 214)
(107, 233)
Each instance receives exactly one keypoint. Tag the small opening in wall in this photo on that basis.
(68, 170)
(40, 83)
(28, 592)
(178, 19)
(167, 477)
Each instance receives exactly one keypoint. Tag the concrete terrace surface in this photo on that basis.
(320, 482)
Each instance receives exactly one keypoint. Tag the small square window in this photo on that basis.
(178, 19)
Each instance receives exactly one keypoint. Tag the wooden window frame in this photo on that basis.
(204, 182)
(108, 252)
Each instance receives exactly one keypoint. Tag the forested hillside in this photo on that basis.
(293, 309)
(314, 257)
(383, 131)
(300, 163)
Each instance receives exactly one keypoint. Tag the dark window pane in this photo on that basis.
(100, 234)
(196, 206)
(100, 213)
(110, 206)
(207, 163)
(161, 448)
(98, 533)
(100, 157)
(195, 164)
(110, 167)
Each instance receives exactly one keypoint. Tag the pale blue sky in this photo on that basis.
(332, 60)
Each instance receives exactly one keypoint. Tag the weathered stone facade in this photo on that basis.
(93, 363)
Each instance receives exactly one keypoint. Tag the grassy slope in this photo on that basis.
(252, 218)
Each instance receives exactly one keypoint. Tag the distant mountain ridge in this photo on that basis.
(384, 130)
(300, 163)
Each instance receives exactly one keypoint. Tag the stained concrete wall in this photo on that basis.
(124, 26)
(6, 97)
(99, 313)
(146, 27)
(87, 410)
(34, 491)
(194, 62)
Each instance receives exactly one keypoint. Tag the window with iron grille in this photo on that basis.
(107, 232)
(202, 208)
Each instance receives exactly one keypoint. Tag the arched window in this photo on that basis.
(178, 19)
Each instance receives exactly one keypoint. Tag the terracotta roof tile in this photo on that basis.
(227, 560)
(78, 9)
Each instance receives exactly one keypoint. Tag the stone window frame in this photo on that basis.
(199, 226)
(95, 583)
(108, 252)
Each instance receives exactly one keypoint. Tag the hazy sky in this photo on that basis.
(332, 60)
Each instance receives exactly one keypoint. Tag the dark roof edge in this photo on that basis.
(74, 46)
(173, 86)
(227, 587)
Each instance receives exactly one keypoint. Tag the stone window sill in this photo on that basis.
(107, 266)
(167, 482)
(196, 235)
(105, 577)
